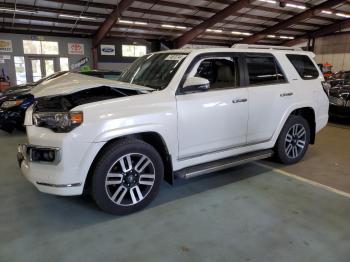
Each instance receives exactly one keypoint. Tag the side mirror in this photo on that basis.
(195, 84)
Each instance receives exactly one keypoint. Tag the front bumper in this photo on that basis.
(45, 178)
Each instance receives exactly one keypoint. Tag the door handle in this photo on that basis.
(286, 94)
(239, 100)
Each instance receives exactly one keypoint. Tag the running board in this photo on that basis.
(221, 164)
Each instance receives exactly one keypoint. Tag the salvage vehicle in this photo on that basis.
(173, 114)
(339, 97)
(16, 100)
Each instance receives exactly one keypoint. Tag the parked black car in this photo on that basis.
(339, 96)
(15, 101)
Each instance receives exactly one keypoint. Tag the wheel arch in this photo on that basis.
(308, 113)
(152, 138)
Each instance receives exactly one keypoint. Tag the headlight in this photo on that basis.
(12, 103)
(60, 122)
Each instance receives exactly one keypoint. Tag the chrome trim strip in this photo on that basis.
(227, 165)
(59, 186)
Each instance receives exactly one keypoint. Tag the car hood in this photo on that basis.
(72, 83)
(17, 90)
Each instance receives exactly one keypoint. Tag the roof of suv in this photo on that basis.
(243, 48)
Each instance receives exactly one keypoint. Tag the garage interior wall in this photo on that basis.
(17, 50)
(335, 50)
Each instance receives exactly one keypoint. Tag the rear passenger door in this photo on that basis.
(269, 95)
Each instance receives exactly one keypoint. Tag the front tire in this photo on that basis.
(293, 140)
(127, 177)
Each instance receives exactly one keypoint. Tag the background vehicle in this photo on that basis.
(339, 96)
(15, 100)
(326, 69)
(177, 113)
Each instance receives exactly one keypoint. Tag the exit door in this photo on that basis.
(41, 67)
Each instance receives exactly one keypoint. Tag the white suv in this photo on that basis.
(178, 113)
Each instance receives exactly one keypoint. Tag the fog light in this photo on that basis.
(43, 155)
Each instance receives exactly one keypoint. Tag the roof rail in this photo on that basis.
(272, 47)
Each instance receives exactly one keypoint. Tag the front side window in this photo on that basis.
(304, 66)
(263, 70)
(154, 70)
(221, 72)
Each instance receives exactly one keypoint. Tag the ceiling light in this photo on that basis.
(140, 23)
(125, 21)
(180, 27)
(240, 33)
(326, 12)
(18, 10)
(343, 15)
(214, 30)
(271, 36)
(296, 6)
(77, 17)
(168, 26)
(286, 37)
(269, 1)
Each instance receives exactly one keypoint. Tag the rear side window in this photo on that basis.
(263, 70)
(304, 66)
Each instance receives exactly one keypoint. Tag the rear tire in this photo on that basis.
(127, 177)
(293, 140)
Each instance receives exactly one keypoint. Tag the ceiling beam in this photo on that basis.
(218, 17)
(291, 21)
(110, 21)
(326, 30)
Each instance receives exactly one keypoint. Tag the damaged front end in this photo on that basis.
(57, 112)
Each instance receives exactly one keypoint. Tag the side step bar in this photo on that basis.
(221, 164)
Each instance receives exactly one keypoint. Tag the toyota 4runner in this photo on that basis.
(173, 114)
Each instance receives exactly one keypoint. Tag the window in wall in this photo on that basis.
(133, 50)
(304, 66)
(49, 47)
(40, 47)
(20, 69)
(221, 73)
(64, 64)
(49, 67)
(263, 69)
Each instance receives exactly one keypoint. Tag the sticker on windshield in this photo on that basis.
(175, 57)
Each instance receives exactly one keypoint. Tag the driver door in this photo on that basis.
(214, 120)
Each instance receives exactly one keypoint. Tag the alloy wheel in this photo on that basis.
(130, 179)
(295, 141)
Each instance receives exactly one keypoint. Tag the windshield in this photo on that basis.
(154, 70)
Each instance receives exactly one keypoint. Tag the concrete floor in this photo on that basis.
(249, 213)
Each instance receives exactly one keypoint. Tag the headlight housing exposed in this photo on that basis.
(11, 103)
(60, 122)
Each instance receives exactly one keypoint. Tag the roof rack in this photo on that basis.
(271, 47)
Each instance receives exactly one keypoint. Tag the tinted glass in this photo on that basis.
(154, 70)
(221, 73)
(304, 66)
(263, 69)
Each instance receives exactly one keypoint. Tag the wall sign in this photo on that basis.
(107, 49)
(80, 63)
(75, 49)
(5, 45)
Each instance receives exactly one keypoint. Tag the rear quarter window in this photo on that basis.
(304, 66)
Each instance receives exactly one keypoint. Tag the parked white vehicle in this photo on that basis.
(177, 113)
